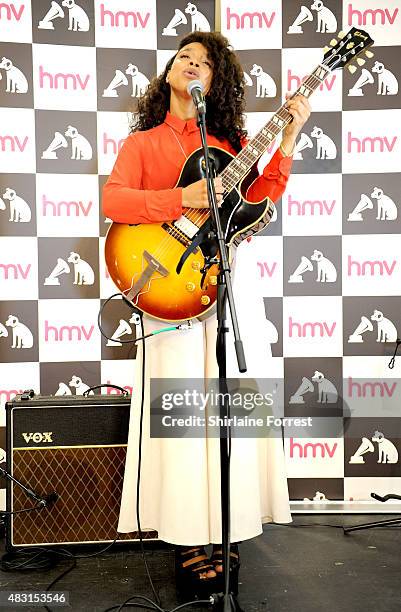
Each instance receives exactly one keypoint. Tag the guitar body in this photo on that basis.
(142, 259)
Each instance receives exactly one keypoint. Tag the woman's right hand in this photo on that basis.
(195, 195)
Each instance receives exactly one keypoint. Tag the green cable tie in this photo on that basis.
(160, 331)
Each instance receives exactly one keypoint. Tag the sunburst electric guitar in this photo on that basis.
(169, 270)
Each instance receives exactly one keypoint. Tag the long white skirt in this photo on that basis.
(180, 478)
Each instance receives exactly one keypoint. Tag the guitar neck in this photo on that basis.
(239, 167)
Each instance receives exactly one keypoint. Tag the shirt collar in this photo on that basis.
(179, 124)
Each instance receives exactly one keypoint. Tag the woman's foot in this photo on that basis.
(217, 557)
(193, 563)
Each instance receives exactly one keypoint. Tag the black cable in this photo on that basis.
(138, 481)
(392, 360)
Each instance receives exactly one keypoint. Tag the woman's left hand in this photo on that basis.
(300, 110)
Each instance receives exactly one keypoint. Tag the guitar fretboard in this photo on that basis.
(239, 167)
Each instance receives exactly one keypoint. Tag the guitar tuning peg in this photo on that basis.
(326, 49)
(369, 54)
(341, 34)
(352, 69)
(361, 61)
(333, 42)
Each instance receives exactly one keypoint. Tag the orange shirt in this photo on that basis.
(140, 188)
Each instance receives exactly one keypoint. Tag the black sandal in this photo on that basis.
(235, 563)
(190, 563)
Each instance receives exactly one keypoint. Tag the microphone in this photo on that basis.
(195, 89)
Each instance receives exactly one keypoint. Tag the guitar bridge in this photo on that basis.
(153, 265)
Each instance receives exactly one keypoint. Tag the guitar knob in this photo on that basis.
(195, 265)
(213, 280)
(190, 287)
(205, 300)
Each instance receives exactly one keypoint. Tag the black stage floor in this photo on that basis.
(287, 569)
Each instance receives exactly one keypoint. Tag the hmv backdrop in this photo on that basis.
(321, 284)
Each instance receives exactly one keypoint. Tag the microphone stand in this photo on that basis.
(226, 601)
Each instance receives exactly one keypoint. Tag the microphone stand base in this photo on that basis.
(221, 603)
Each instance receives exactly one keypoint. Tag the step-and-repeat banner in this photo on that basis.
(321, 285)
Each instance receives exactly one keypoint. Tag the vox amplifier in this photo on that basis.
(70, 451)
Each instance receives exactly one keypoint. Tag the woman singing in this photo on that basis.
(180, 478)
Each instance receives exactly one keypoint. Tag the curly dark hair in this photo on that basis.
(225, 99)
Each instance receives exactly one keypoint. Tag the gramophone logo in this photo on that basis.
(386, 330)
(198, 21)
(16, 81)
(326, 390)
(81, 148)
(326, 20)
(318, 498)
(326, 147)
(76, 383)
(386, 207)
(139, 82)
(124, 328)
(387, 83)
(78, 20)
(20, 211)
(21, 335)
(387, 451)
(83, 271)
(265, 84)
(326, 270)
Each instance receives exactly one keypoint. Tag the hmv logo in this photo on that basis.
(386, 330)
(370, 144)
(67, 333)
(370, 267)
(78, 20)
(125, 19)
(249, 21)
(266, 269)
(199, 21)
(83, 271)
(326, 390)
(64, 208)
(139, 82)
(16, 81)
(312, 450)
(326, 20)
(8, 394)
(76, 383)
(310, 329)
(9, 12)
(20, 211)
(13, 144)
(21, 335)
(11, 271)
(370, 388)
(310, 207)
(325, 146)
(110, 145)
(371, 16)
(386, 207)
(325, 269)
(265, 85)
(387, 83)
(61, 80)
(81, 149)
(294, 82)
(111, 391)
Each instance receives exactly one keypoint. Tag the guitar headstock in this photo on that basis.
(348, 47)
